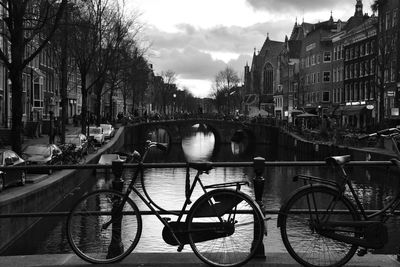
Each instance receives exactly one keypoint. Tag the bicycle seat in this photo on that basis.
(201, 166)
(338, 160)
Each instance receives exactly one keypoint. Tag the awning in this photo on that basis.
(251, 99)
(351, 110)
(37, 72)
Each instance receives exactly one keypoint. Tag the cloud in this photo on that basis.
(188, 63)
(232, 39)
(195, 53)
(300, 5)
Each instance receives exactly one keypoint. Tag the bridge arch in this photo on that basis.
(223, 130)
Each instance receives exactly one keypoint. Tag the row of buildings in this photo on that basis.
(348, 70)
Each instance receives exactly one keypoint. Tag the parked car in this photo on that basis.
(42, 154)
(79, 140)
(98, 135)
(108, 131)
(11, 177)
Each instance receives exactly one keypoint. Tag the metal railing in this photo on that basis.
(258, 164)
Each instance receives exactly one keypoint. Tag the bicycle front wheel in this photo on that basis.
(299, 220)
(225, 228)
(101, 230)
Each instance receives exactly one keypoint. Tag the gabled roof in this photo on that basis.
(270, 50)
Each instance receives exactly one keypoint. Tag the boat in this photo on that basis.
(107, 159)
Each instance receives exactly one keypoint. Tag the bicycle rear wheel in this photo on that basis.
(225, 228)
(298, 220)
(98, 232)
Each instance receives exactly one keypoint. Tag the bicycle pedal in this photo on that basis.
(180, 248)
(361, 252)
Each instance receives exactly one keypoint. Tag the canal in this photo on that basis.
(166, 186)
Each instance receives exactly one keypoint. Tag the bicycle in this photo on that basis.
(91, 145)
(320, 225)
(224, 226)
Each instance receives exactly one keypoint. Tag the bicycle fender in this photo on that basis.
(305, 187)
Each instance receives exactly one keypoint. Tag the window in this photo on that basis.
(372, 68)
(318, 58)
(387, 24)
(334, 75)
(351, 71)
(313, 60)
(386, 75)
(327, 56)
(362, 69)
(268, 79)
(357, 70)
(318, 77)
(342, 51)
(394, 18)
(356, 92)
(341, 74)
(393, 71)
(362, 91)
(334, 53)
(362, 50)
(325, 96)
(327, 76)
(307, 62)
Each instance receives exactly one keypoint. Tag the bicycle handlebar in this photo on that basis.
(160, 146)
(389, 132)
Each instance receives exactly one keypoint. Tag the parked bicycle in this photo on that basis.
(320, 225)
(70, 155)
(91, 147)
(224, 226)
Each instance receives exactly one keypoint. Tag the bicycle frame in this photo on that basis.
(392, 205)
(155, 208)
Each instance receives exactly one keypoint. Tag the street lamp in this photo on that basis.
(174, 107)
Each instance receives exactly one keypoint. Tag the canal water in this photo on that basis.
(166, 187)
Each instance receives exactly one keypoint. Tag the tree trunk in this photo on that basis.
(98, 109)
(16, 68)
(63, 89)
(111, 116)
(17, 125)
(84, 109)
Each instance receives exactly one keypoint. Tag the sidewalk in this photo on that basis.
(44, 138)
(178, 259)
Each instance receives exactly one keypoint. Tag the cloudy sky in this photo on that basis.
(198, 38)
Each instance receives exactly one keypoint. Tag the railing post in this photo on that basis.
(258, 181)
(116, 247)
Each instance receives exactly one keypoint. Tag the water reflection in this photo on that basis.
(198, 144)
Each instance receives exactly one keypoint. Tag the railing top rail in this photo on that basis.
(213, 164)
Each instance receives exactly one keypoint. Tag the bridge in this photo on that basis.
(224, 130)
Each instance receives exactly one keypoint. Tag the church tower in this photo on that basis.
(359, 9)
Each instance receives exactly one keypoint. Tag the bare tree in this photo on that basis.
(64, 62)
(225, 80)
(25, 22)
(89, 26)
(385, 62)
(169, 78)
